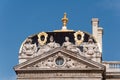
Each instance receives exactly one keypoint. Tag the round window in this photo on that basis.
(59, 61)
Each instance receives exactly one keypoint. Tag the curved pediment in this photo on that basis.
(76, 41)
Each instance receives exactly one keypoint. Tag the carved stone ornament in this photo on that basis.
(70, 46)
(78, 37)
(28, 49)
(52, 44)
(90, 48)
(58, 61)
(42, 38)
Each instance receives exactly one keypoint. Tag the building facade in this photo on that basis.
(65, 55)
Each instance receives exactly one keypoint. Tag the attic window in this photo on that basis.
(59, 61)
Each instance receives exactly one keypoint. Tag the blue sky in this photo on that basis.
(21, 18)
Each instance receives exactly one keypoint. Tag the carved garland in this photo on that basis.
(42, 38)
(78, 37)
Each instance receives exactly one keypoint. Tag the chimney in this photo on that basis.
(95, 23)
(100, 34)
(97, 32)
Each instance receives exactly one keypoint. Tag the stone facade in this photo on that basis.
(65, 54)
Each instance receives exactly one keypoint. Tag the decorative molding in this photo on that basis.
(39, 75)
(50, 62)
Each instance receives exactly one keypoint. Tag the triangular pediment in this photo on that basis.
(59, 59)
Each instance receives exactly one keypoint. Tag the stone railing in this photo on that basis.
(112, 66)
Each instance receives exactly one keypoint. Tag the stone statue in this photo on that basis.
(90, 48)
(28, 49)
(48, 47)
(42, 49)
(52, 43)
(67, 44)
(70, 46)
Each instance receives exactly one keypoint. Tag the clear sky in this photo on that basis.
(21, 18)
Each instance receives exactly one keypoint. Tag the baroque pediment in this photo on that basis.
(59, 58)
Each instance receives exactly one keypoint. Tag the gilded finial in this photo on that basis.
(64, 27)
(65, 20)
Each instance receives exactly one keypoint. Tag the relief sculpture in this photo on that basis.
(28, 49)
(52, 44)
(45, 48)
(70, 46)
(90, 48)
